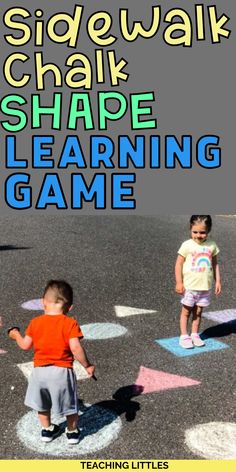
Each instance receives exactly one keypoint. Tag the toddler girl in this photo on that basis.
(196, 267)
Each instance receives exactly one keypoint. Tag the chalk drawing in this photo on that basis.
(122, 311)
(216, 440)
(155, 380)
(80, 372)
(35, 304)
(172, 345)
(99, 427)
(222, 316)
(102, 330)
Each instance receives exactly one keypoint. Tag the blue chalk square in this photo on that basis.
(172, 345)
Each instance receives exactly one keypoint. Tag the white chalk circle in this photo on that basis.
(98, 428)
(35, 304)
(102, 330)
(216, 440)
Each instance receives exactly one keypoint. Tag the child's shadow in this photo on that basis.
(122, 402)
(93, 418)
(223, 329)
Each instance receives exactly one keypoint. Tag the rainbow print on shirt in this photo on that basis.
(202, 261)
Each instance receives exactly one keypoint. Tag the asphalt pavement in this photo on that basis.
(114, 264)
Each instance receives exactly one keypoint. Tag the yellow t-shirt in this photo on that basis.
(197, 267)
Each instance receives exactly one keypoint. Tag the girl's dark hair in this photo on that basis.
(195, 219)
(63, 291)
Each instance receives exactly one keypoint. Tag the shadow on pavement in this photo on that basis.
(10, 247)
(122, 402)
(223, 329)
(93, 418)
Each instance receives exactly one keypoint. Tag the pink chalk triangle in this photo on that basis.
(155, 380)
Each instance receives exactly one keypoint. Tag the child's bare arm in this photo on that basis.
(24, 343)
(179, 288)
(216, 272)
(80, 355)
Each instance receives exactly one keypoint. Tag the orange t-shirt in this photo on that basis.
(51, 335)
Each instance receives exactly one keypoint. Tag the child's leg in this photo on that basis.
(44, 418)
(184, 317)
(197, 315)
(49, 431)
(185, 340)
(72, 421)
(72, 431)
(196, 320)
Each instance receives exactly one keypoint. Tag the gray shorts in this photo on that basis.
(52, 388)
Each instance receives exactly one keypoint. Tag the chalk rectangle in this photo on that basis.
(172, 345)
(80, 372)
(222, 316)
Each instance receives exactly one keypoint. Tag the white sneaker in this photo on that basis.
(197, 341)
(185, 341)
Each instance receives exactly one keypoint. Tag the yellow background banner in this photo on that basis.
(109, 464)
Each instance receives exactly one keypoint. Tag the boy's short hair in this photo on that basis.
(62, 290)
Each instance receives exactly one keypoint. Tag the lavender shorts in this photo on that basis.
(196, 297)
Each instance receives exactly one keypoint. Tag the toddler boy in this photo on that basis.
(54, 337)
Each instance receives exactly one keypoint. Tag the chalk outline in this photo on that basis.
(172, 345)
(99, 427)
(214, 440)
